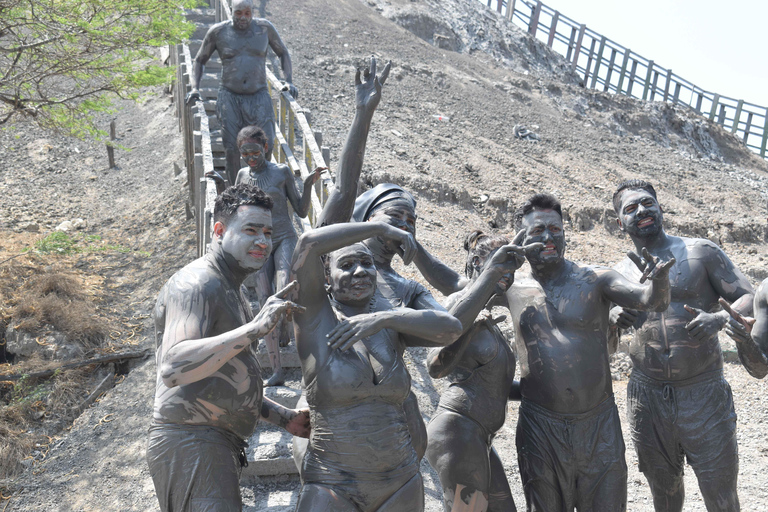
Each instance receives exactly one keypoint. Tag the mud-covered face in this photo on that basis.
(247, 237)
(352, 275)
(640, 214)
(242, 14)
(546, 227)
(399, 216)
(254, 154)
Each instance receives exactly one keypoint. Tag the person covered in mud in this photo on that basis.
(278, 181)
(569, 442)
(480, 366)
(751, 333)
(678, 402)
(360, 456)
(243, 98)
(209, 397)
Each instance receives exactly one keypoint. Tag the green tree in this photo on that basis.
(61, 61)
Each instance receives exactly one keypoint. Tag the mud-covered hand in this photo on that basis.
(314, 176)
(651, 266)
(351, 330)
(738, 331)
(704, 325)
(407, 247)
(292, 90)
(274, 308)
(299, 424)
(192, 96)
(623, 318)
(368, 90)
(526, 250)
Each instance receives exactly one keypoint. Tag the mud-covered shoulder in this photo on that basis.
(193, 281)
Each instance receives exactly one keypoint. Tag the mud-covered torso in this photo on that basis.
(243, 56)
(561, 340)
(481, 391)
(230, 398)
(272, 180)
(662, 347)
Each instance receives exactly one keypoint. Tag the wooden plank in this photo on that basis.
(610, 70)
(666, 86)
(647, 80)
(713, 110)
(553, 29)
(534, 23)
(598, 62)
(510, 9)
(579, 40)
(623, 71)
(737, 116)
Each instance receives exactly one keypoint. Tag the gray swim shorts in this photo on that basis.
(236, 111)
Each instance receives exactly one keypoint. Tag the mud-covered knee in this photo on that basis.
(465, 499)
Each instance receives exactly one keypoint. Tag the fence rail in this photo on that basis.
(292, 127)
(608, 66)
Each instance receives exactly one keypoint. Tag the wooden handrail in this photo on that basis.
(617, 69)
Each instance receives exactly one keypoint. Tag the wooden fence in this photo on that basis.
(608, 66)
(296, 144)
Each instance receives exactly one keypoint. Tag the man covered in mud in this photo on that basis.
(751, 334)
(209, 396)
(243, 98)
(569, 442)
(678, 403)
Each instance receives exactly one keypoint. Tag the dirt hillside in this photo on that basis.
(461, 80)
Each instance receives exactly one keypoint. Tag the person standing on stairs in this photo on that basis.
(243, 98)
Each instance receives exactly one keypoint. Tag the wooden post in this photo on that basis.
(498, 5)
(589, 62)
(510, 9)
(623, 70)
(698, 102)
(721, 116)
(647, 80)
(110, 147)
(632, 78)
(666, 86)
(713, 111)
(553, 29)
(610, 70)
(676, 98)
(579, 40)
(765, 135)
(736, 117)
(655, 83)
(748, 128)
(534, 23)
(570, 44)
(598, 61)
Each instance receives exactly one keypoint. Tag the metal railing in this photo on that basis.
(292, 127)
(608, 66)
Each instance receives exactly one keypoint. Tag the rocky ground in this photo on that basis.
(465, 167)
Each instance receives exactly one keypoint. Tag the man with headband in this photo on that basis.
(243, 98)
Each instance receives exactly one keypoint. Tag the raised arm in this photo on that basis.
(281, 51)
(341, 202)
(300, 201)
(203, 55)
(654, 296)
(188, 354)
(437, 273)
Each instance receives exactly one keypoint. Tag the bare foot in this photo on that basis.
(277, 378)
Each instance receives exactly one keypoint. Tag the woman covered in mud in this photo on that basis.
(480, 366)
(360, 456)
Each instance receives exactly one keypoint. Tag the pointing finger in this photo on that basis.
(693, 311)
(287, 290)
(373, 66)
(519, 237)
(533, 248)
(636, 259)
(385, 73)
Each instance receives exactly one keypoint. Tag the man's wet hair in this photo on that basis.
(250, 133)
(631, 185)
(234, 197)
(480, 244)
(540, 202)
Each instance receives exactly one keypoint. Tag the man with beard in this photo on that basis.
(209, 397)
(678, 403)
(243, 98)
(569, 442)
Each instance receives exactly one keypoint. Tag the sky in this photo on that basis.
(721, 47)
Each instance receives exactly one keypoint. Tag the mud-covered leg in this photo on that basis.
(282, 257)
(718, 488)
(499, 495)
(319, 498)
(409, 497)
(264, 289)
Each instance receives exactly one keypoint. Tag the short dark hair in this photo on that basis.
(232, 198)
(631, 185)
(480, 244)
(251, 133)
(540, 201)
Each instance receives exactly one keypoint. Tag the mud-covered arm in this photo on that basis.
(188, 354)
(728, 282)
(341, 202)
(442, 361)
(300, 201)
(295, 421)
(418, 328)
(203, 55)
(277, 45)
(751, 335)
(654, 296)
(437, 273)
